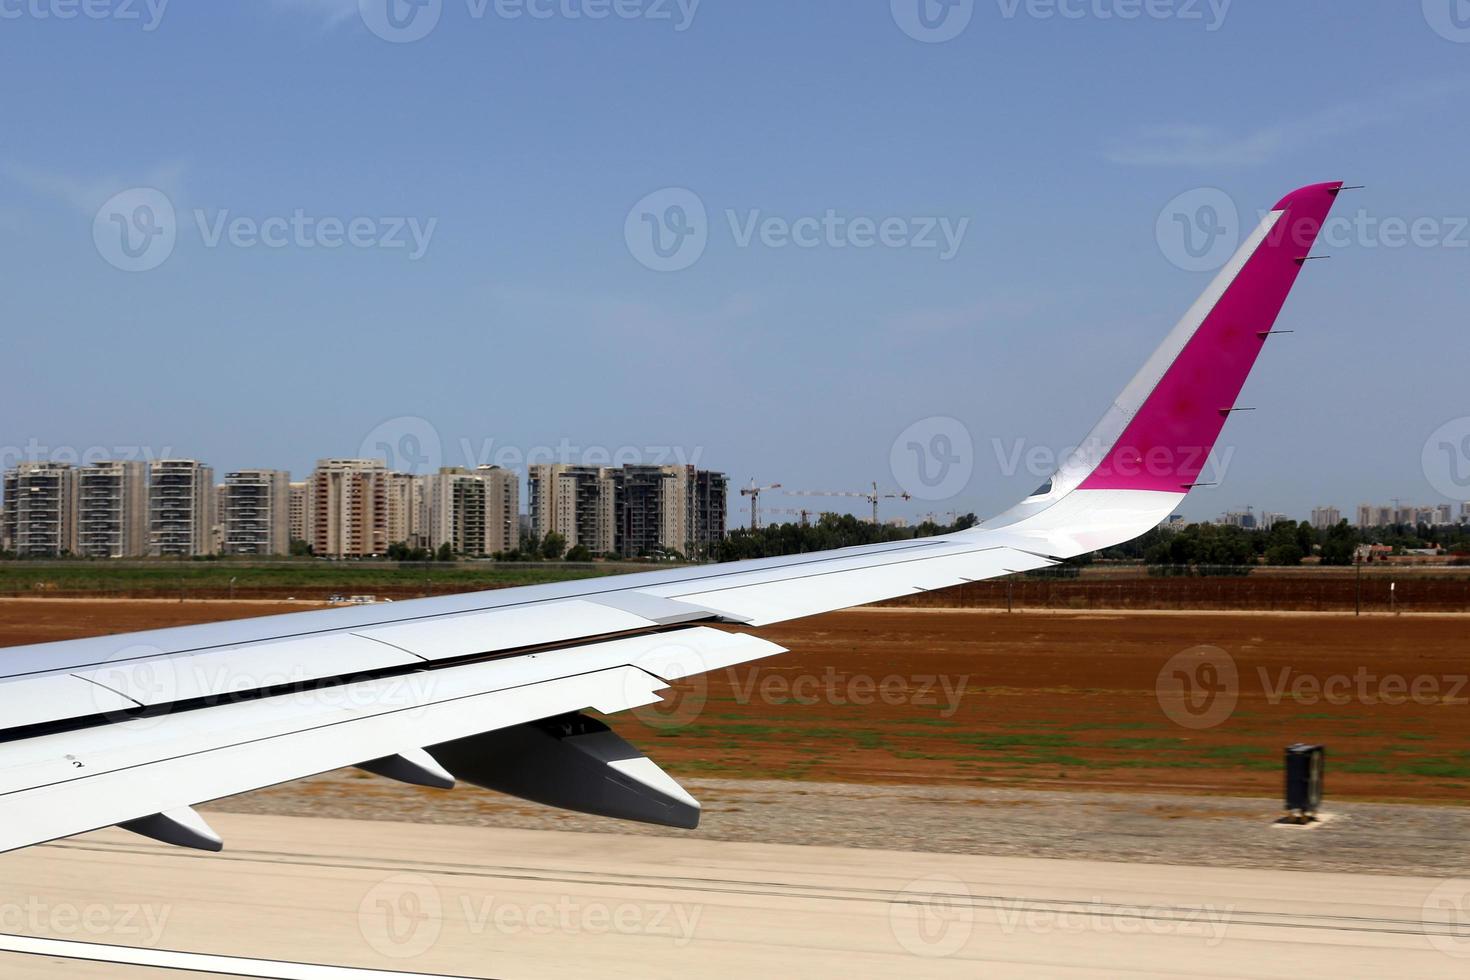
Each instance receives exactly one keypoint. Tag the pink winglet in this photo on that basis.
(1168, 441)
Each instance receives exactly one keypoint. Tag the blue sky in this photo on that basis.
(1048, 146)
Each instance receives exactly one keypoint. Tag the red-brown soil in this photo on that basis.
(1055, 700)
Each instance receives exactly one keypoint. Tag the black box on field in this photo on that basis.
(1305, 769)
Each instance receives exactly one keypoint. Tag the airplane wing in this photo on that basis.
(490, 688)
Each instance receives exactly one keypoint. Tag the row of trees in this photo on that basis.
(829, 531)
(1286, 543)
(533, 547)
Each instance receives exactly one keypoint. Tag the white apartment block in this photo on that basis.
(256, 512)
(1324, 518)
(632, 510)
(112, 509)
(348, 508)
(477, 513)
(1377, 515)
(40, 510)
(406, 510)
(654, 509)
(577, 502)
(181, 508)
(299, 529)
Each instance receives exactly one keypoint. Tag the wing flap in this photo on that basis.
(57, 785)
(169, 680)
(53, 696)
(493, 630)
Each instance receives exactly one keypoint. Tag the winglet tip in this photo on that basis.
(1309, 191)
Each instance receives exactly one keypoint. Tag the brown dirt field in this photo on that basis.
(1046, 700)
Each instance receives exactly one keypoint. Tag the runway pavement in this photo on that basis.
(511, 903)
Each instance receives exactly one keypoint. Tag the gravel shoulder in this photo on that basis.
(1152, 829)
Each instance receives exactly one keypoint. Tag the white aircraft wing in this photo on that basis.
(489, 688)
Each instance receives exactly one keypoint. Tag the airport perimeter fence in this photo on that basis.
(1401, 589)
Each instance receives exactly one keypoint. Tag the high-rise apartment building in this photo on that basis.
(256, 512)
(297, 509)
(1326, 517)
(348, 508)
(476, 512)
(112, 509)
(577, 502)
(40, 509)
(181, 508)
(406, 510)
(635, 510)
(653, 509)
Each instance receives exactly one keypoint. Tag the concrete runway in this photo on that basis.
(508, 904)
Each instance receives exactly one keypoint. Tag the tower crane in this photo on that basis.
(754, 493)
(871, 496)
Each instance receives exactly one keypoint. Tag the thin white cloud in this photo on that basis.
(87, 194)
(330, 12)
(1193, 145)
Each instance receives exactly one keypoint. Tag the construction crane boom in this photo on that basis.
(871, 496)
(754, 493)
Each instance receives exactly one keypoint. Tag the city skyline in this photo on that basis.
(356, 508)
